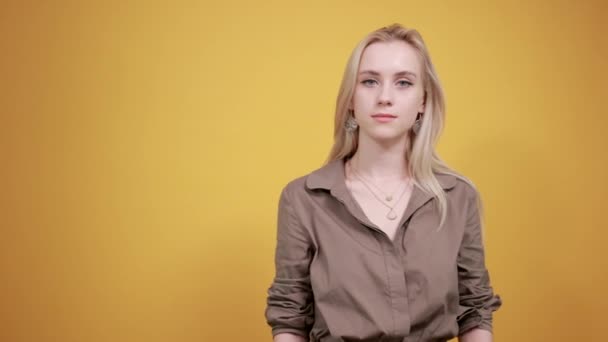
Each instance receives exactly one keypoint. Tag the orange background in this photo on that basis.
(144, 144)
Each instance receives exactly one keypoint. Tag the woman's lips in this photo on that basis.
(384, 117)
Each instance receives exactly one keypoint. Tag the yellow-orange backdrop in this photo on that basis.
(144, 144)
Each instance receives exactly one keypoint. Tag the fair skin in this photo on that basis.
(388, 82)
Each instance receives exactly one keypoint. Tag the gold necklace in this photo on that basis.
(387, 197)
(391, 215)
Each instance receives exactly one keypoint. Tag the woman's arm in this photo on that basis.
(477, 299)
(476, 335)
(287, 337)
(290, 308)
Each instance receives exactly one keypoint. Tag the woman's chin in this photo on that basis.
(386, 135)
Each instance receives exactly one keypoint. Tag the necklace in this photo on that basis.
(391, 215)
(387, 197)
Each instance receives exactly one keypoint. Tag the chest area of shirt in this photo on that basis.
(383, 210)
(347, 224)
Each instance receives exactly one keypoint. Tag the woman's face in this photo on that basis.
(389, 92)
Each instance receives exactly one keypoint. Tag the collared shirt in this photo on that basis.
(340, 278)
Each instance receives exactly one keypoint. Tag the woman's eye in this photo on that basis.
(368, 82)
(404, 83)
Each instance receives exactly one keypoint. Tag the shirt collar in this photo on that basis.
(332, 174)
(331, 177)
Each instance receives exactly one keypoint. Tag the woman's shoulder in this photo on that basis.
(296, 185)
(296, 193)
(323, 177)
(457, 184)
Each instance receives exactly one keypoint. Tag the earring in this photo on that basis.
(417, 124)
(351, 124)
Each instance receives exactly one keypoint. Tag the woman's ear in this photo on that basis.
(423, 104)
(421, 108)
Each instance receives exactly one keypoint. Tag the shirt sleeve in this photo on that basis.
(477, 301)
(290, 306)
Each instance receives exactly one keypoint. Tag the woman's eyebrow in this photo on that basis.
(400, 73)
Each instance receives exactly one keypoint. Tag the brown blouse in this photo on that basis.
(340, 278)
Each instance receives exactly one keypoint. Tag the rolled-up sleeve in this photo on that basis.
(476, 297)
(290, 301)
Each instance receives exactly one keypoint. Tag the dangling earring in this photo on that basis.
(351, 124)
(417, 124)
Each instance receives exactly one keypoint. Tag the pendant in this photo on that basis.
(391, 215)
(389, 198)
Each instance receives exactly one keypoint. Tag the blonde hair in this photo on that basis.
(420, 154)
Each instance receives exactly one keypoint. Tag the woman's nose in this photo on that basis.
(385, 96)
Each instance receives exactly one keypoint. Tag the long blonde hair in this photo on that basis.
(420, 154)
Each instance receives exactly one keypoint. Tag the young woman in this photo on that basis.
(384, 242)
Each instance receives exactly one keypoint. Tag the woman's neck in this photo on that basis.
(380, 162)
